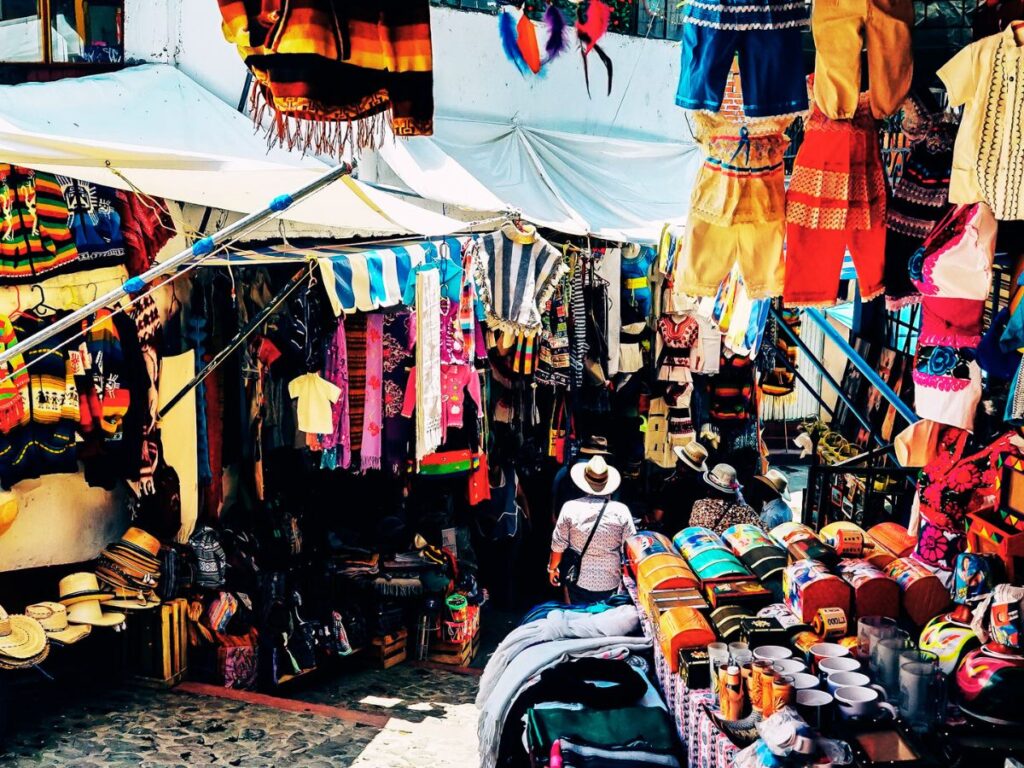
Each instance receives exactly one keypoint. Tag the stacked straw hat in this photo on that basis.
(22, 641)
(81, 595)
(130, 567)
(53, 618)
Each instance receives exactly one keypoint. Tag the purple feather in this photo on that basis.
(558, 40)
(510, 41)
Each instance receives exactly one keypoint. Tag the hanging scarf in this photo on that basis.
(372, 427)
(336, 372)
(578, 312)
(428, 362)
(398, 361)
(355, 338)
(467, 301)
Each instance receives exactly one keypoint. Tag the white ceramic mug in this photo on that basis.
(859, 701)
(772, 653)
(839, 664)
(789, 666)
(804, 680)
(822, 651)
(838, 680)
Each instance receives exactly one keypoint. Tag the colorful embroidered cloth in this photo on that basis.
(319, 65)
(370, 454)
(428, 363)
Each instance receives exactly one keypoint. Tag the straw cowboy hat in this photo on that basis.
(777, 481)
(22, 640)
(79, 587)
(694, 455)
(53, 618)
(596, 477)
(8, 510)
(131, 563)
(89, 612)
(133, 599)
(722, 478)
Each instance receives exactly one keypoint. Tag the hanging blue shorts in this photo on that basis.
(767, 39)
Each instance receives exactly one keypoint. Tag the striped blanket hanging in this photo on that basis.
(335, 74)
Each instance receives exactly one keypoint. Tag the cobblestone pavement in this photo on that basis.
(432, 723)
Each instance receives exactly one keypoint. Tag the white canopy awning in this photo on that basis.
(615, 188)
(154, 129)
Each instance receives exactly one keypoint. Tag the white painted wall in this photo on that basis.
(472, 77)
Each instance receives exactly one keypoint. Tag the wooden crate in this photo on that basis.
(158, 643)
(389, 650)
(455, 654)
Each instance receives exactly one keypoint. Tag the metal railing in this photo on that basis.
(864, 490)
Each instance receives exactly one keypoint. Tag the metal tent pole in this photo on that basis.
(239, 338)
(870, 373)
(199, 249)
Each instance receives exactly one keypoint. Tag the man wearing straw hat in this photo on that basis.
(589, 535)
(673, 505)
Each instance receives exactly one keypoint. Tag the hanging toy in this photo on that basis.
(591, 29)
(519, 40)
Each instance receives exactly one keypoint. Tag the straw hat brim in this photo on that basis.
(784, 493)
(127, 604)
(111, 619)
(71, 635)
(681, 455)
(27, 638)
(579, 477)
(85, 596)
(8, 662)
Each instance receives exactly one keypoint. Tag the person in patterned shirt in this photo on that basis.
(611, 524)
(722, 507)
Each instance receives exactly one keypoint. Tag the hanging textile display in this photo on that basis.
(398, 361)
(95, 223)
(337, 443)
(370, 450)
(835, 202)
(553, 358)
(146, 227)
(953, 272)
(778, 379)
(428, 363)
(763, 34)
(35, 238)
(516, 273)
(988, 165)
(335, 75)
(841, 31)
(920, 197)
(737, 208)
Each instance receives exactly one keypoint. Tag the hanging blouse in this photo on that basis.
(678, 337)
(456, 382)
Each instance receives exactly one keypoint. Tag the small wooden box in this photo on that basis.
(389, 650)
(158, 643)
(987, 534)
(455, 654)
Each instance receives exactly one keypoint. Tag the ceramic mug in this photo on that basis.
(822, 651)
(789, 666)
(804, 680)
(839, 664)
(772, 653)
(839, 680)
(862, 702)
(817, 708)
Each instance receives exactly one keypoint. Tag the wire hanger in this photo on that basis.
(42, 309)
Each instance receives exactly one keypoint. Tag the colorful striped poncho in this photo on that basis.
(329, 71)
(35, 238)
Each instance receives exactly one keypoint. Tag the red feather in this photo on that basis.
(591, 30)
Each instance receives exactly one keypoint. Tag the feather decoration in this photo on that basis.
(592, 29)
(558, 40)
(510, 40)
(528, 47)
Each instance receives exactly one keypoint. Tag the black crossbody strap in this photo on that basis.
(593, 530)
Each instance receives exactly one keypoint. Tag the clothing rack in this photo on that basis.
(199, 250)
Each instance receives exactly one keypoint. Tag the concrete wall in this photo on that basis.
(472, 76)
